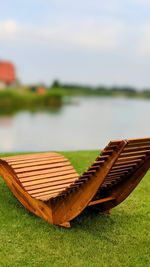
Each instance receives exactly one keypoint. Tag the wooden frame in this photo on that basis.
(47, 184)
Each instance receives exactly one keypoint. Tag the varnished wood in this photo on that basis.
(47, 184)
(99, 201)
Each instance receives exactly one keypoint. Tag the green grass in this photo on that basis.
(14, 100)
(122, 239)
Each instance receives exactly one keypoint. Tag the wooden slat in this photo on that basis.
(28, 156)
(47, 196)
(37, 160)
(115, 177)
(130, 146)
(107, 152)
(112, 182)
(94, 168)
(38, 188)
(138, 140)
(41, 167)
(51, 194)
(116, 166)
(89, 172)
(44, 162)
(85, 176)
(136, 148)
(131, 157)
(56, 178)
(122, 162)
(50, 173)
(134, 153)
(120, 171)
(63, 192)
(112, 179)
(112, 176)
(125, 159)
(122, 168)
(65, 180)
(112, 147)
(98, 163)
(102, 200)
(101, 157)
(49, 191)
(39, 172)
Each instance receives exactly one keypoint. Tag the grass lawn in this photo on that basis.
(122, 239)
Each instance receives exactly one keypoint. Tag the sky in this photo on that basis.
(84, 41)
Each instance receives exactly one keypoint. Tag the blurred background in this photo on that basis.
(73, 74)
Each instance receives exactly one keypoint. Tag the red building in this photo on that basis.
(7, 73)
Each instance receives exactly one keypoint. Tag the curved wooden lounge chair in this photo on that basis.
(48, 185)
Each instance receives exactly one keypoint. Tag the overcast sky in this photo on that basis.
(82, 41)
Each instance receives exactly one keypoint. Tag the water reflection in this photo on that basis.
(87, 124)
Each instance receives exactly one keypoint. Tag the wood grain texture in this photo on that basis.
(47, 184)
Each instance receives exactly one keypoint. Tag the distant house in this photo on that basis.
(7, 74)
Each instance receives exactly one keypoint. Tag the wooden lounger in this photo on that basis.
(48, 185)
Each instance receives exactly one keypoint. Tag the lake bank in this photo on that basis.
(12, 101)
(15, 99)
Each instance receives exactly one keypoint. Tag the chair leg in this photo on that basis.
(65, 225)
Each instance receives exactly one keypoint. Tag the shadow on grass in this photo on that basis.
(91, 220)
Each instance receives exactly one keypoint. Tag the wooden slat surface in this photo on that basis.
(99, 201)
(54, 181)
(54, 167)
(48, 185)
(39, 167)
(52, 173)
(45, 175)
(129, 160)
(29, 156)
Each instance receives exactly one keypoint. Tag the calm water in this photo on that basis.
(87, 124)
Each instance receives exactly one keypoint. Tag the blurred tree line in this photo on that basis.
(99, 90)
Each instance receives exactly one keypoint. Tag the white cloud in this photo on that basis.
(90, 34)
(7, 28)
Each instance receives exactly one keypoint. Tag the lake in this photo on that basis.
(87, 123)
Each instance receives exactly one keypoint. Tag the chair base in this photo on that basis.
(65, 225)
